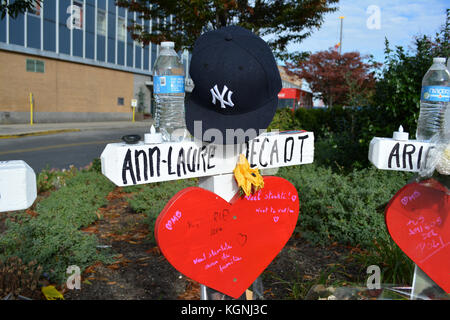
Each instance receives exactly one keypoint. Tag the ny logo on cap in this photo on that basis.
(220, 96)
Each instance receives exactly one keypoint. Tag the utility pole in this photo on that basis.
(340, 38)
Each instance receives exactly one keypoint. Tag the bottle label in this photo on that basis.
(436, 93)
(168, 84)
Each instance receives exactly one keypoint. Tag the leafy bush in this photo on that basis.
(315, 120)
(337, 152)
(53, 238)
(398, 89)
(283, 120)
(347, 208)
(96, 165)
(78, 201)
(395, 266)
(342, 135)
(55, 246)
(53, 179)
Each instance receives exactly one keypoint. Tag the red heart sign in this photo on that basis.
(226, 246)
(417, 220)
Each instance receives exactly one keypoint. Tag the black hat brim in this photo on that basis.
(246, 126)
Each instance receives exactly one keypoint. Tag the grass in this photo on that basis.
(50, 234)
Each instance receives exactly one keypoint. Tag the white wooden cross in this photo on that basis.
(17, 185)
(131, 164)
(401, 154)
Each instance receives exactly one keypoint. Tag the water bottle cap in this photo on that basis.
(167, 44)
(439, 60)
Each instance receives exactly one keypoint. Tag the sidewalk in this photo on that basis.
(23, 130)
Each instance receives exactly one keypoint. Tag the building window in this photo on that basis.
(138, 42)
(120, 101)
(36, 9)
(101, 22)
(35, 66)
(75, 20)
(121, 29)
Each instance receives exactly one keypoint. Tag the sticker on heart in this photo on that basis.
(227, 245)
(417, 220)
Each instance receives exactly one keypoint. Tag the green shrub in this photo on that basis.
(96, 165)
(53, 238)
(340, 153)
(347, 208)
(315, 120)
(53, 179)
(342, 135)
(396, 267)
(283, 120)
(55, 245)
(78, 201)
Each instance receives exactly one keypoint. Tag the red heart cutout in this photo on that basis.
(226, 246)
(417, 220)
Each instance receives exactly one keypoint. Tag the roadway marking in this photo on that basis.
(37, 133)
(57, 146)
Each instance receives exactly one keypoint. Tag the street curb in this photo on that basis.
(36, 133)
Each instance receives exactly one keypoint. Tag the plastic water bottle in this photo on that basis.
(434, 101)
(168, 90)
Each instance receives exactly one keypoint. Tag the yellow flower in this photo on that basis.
(248, 179)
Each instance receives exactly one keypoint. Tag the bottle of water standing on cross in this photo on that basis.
(434, 101)
(168, 90)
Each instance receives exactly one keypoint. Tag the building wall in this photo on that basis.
(90, 61)
(294, 82)
(142, 92)
(289, 81)
(93, 31)
(65, 91)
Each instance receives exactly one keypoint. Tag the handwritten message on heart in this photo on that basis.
(417, 220)
(227, 245)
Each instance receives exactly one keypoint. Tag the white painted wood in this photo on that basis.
(224, 185)
(403, 155)
(398, 155)
(17, 185)
(126, 164)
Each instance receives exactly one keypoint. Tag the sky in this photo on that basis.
(366, 23)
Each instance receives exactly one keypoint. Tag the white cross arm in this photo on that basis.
(126, 164)
(398, 155)
(17, 185)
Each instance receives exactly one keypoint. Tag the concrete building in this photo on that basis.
(79, 62)
(295, 92)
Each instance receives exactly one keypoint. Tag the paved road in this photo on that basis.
(62, 149)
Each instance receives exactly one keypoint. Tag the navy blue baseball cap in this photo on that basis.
(236, 82)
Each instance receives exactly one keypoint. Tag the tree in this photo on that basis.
(337, 79)
(398, 89)
(16, 7)
(284, 21)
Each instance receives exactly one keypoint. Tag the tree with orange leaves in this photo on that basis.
(338, 79)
